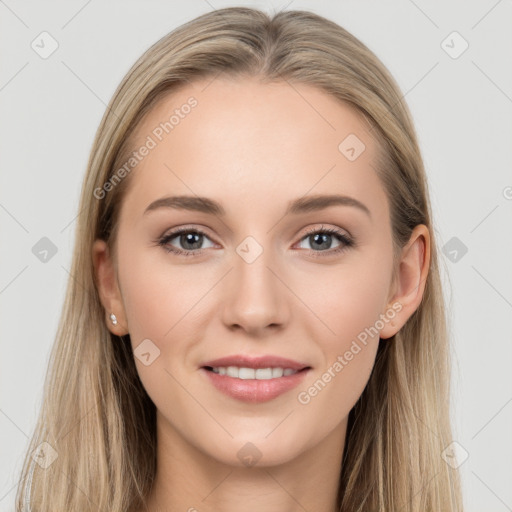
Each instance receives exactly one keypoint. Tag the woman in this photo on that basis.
(255, 319)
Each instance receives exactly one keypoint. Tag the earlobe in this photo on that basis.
(108, 289)
(411, 279)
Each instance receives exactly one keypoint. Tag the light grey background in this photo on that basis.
(50, 110)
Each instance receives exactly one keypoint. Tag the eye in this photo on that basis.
(191, 241)
(320, 241)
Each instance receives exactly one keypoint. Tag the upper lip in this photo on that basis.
(243, 361)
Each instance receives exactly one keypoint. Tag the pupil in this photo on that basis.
(323, 238)
(189, 238)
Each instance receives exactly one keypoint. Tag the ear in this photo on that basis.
(108, 288)
(410, 281)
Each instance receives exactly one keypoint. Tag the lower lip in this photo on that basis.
(254, 390)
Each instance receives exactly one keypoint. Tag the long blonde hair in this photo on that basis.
(96, 416)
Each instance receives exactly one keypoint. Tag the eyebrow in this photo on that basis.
(301, 205)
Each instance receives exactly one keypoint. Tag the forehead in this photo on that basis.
(248, 143)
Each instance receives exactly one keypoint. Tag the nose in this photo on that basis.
(256, 299)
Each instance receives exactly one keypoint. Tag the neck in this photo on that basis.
(188, 479)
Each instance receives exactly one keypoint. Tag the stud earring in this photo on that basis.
(113, 318)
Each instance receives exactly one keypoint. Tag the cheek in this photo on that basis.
(160, 303)
(344, 301)
(348, 355)
(346, 323)
(157, 295)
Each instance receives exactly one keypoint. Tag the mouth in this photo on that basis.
(254, 380)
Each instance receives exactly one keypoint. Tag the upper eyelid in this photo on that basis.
(338, 230)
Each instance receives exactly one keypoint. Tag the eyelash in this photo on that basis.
(346, 241)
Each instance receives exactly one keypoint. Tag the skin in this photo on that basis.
(254, 147)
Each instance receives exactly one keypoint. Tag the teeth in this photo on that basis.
(232, 371)
(277, 372)
(252, 373)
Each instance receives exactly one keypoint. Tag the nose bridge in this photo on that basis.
(256, 297)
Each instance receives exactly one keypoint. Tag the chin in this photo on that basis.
(256, 450)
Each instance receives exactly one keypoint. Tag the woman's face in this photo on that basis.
(262, 278)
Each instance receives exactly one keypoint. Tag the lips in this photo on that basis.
(254, 390)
